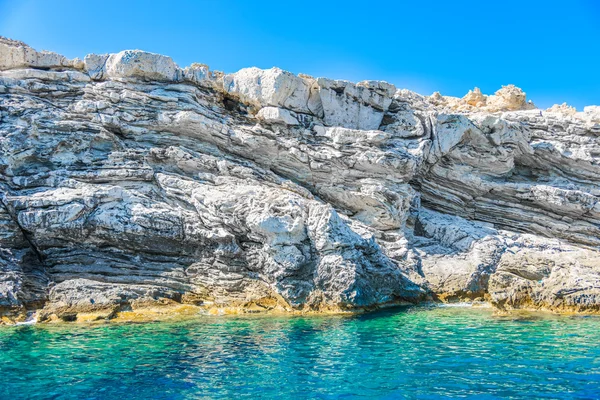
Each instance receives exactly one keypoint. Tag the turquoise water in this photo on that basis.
(402, 353)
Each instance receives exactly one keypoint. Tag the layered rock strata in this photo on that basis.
(127, 183)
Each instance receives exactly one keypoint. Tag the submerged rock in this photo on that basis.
(129, 183)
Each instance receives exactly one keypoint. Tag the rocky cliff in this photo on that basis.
(129, 183)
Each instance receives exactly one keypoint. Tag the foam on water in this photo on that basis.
(459, 305)
(30, 320)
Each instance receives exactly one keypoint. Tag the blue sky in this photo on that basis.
(551, 49)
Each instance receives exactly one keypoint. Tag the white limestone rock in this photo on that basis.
(277, 115)
(475, 98)
(507, 98)
(199, 74)
(14, 54)
(271, 87)
(126, 181)
(563, 108)
(95, 65)
(465, 260)
(342, 136)
(141, 65)
(354, 106)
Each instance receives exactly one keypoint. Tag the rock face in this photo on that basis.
(127, 182)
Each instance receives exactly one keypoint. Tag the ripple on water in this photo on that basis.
(395, 353)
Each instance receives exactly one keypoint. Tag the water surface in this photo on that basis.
(426, 353)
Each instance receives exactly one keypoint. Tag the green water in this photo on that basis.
(402, 353)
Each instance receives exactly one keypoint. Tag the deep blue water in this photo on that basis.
(425, 353)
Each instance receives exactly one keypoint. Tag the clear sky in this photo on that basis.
(551, 49)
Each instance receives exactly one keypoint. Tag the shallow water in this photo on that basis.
(401, 353)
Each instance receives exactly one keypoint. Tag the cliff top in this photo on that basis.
(258, 87)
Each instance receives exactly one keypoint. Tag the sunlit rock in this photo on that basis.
(129, 183)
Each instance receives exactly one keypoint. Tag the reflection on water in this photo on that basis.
(397, 353)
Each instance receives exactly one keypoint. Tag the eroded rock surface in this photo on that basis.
(128, 182)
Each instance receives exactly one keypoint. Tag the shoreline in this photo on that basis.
(183, 312)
